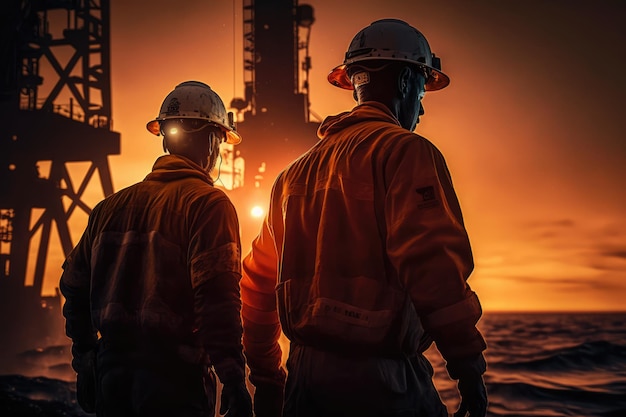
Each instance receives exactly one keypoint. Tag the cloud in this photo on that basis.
(557, 264)
(581, 283)
(618, 253)
(590, 244)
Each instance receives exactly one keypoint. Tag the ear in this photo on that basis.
(404, 80)
(164, 145)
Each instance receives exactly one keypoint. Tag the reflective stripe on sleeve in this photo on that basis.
(225, 258)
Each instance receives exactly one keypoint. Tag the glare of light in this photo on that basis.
(257, 211)
(173, 131)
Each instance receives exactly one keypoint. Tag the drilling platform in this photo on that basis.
(276, 126)
(48, 124)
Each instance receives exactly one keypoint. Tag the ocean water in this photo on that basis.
(541, 365)
(550, 365)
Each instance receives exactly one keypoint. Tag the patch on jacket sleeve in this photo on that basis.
(209, 264)
(427, 197)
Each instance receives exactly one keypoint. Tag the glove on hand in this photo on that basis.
(268, 400)
(473, 397)
(471, 386)
(86, 381)
(236, 401)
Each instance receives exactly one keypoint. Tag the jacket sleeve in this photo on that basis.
(75, 285)
(215, 264)
(260, 317)
(429, 247)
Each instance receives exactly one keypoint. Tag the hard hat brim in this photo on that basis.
(153, 127)
(338, 77)
(232, 136)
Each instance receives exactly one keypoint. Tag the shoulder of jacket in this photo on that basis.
(112, 198)
(416, 139)
(395, 137)
(210, 195)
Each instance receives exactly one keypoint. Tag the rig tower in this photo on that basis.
(55, 111)
(275, 109)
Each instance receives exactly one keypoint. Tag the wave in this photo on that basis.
(595, 355)
(528, 399)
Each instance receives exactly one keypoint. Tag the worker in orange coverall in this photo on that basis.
(156, 274)
(363, 257)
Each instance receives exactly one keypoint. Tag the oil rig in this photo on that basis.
(55, 112)
(276, 126)
(48, 124)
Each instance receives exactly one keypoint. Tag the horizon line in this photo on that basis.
(554, 311)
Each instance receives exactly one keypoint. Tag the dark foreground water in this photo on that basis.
(547, 365)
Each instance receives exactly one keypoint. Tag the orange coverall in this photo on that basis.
(157, 273)
(363, 250)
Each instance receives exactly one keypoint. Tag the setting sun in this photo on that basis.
(257, 211)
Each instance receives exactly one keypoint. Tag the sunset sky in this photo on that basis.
(531, 124)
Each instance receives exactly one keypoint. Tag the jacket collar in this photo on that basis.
(369, 111)
(174, 167)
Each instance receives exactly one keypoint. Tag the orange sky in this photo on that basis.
(531, 124)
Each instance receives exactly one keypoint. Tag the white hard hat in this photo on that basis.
(196, 100)
(392, 40)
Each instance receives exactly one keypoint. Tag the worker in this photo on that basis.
(363, 258)
(152, 297)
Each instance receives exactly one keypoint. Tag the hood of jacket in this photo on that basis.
(175, 167)
(369, 111)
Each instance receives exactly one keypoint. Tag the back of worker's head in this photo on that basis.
(193, 122)
(194, 139)
(390, 62)
(382, 80)
(390, 40)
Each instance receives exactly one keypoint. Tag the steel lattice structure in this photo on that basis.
(55, 110)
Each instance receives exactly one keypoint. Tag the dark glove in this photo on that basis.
(473, 397)
(471, 386)
(86, 381)
(268, 400)
(236, 401)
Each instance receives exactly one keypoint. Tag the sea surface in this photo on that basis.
(544, 365)
(550, 365)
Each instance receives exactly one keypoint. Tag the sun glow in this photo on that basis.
(257, 211)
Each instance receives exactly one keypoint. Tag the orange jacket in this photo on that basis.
(364, 239)
(160, 261)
